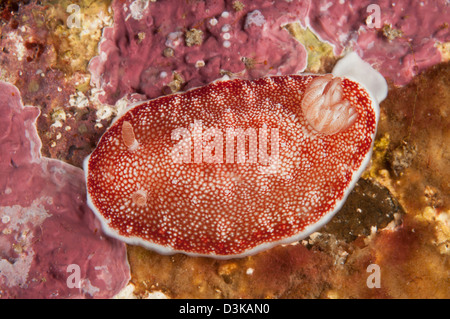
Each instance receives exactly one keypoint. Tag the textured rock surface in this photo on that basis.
(402, 45)
(45, 223)
(150, 50)
(47, 61)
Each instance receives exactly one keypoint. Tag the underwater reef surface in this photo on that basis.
(164, 46)
(82, 65)
(47, 230)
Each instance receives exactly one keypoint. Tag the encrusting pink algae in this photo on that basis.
(149, 51)
(47, 230)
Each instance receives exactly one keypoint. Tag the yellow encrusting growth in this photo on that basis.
(77, 29)
(318, 51)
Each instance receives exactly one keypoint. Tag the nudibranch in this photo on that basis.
(236, 166)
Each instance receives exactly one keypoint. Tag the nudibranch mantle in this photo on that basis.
(237, 166)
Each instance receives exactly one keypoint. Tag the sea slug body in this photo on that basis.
(237, 166)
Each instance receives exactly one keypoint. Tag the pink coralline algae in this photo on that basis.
(176, 174)
(160, 47)
(51, 245)
(398, 38)
(200, 41)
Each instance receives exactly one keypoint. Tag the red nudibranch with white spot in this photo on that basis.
(237, 166)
